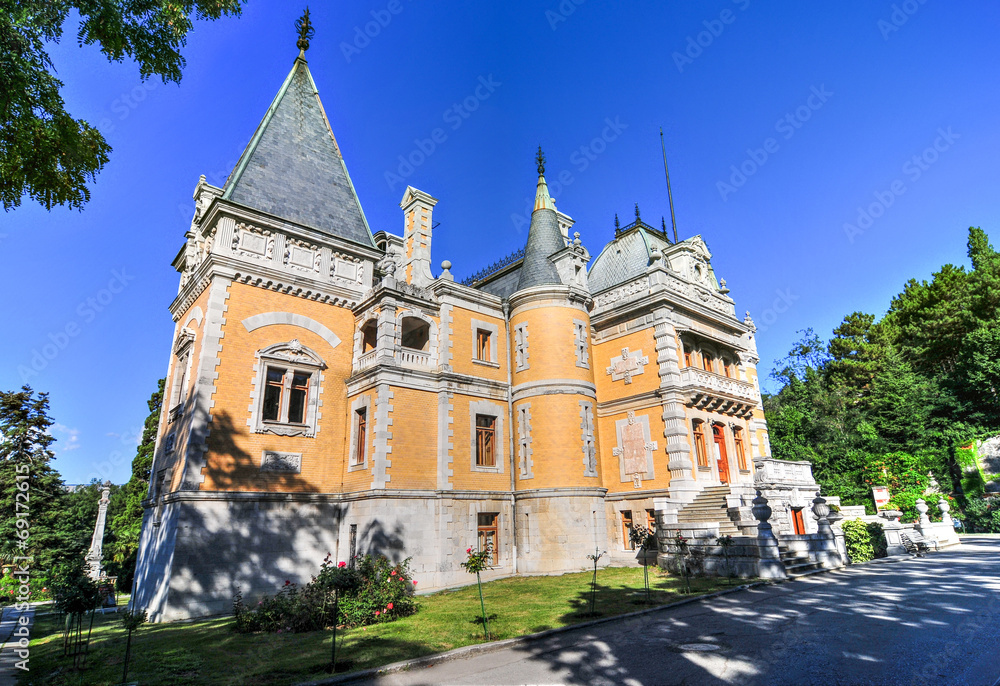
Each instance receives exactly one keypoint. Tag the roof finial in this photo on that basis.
(540, 158)
(305, 29)
(637, 217)
(618, 226)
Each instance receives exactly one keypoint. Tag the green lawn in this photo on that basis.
(208, 652)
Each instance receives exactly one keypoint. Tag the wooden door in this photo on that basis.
(720, 453)
(798, 522)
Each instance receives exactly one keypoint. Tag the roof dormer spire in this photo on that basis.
(543, 201)
(306, 31)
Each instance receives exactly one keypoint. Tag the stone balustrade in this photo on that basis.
(770, 471)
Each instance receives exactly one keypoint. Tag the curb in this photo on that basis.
(494, 646)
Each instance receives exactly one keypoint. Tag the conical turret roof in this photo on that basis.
(292, 168)
(544, 237)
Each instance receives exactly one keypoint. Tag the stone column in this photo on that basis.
(683, 487)
(924, 525)
(95, 554)
(827, 553)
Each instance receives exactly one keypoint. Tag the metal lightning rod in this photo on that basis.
(670, 195)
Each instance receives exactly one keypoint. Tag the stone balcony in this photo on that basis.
(402, 357)
(716, 393)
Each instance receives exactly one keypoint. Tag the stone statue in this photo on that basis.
(95, 554)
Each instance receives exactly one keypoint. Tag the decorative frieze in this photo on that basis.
(273, 461)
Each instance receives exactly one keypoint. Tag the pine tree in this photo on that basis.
(127, 502)
(30, 488)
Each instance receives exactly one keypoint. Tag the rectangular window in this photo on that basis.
(707, 361)
(651, 521)
(699, 443)
(286, 393)
(361, 434)
(741, 456)
(627, 529)
(489, 534)
(486, 441)
(483, 346)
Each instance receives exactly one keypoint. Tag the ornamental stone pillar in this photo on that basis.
(683, 487)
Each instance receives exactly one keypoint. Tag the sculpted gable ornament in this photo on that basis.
(627, 365)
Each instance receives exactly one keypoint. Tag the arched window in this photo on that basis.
(415, 334)
(700, 449)
(727, 367)
(369, 334)
(687, 348)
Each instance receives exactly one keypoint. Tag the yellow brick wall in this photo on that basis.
(550, 344)
(235, 453)
(557, 444)
(464, 478)
(463, 345)
(607, 350)
(414, 439)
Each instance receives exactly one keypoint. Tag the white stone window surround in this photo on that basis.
(184, 358)
(497, 411)
(581, 343)
(362, 402)
(589, 447)
(494, 331)
(524, 460)
(649, 444)
(521, 347)
(432, 336)
(293, 357)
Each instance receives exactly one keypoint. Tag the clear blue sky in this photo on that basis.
(887, 88)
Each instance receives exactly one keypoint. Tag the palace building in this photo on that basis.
(329, 391)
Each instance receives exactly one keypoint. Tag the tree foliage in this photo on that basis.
(887, 401)
(45, 153)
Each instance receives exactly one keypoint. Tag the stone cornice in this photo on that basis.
(456, 293)
(541, 295)
(433, 381)
(290, 497)
(399, 292)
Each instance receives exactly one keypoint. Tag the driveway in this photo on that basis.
(931, 620)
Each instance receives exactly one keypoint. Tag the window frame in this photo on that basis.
(492, 330)
(360, 445)
(740, 449)
(291, 358)
(700, 447)
(627, 522)
(481, 534)
(486, 440)
(497, 412)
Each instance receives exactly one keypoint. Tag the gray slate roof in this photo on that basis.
(623, 259)
(544, 239)
(292, 167)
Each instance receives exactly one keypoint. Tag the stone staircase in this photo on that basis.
(710, 506)
(796, 562)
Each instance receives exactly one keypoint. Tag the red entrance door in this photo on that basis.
(798, 522)
(720, 453)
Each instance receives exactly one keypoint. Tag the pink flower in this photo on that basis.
(377, 613)
(341, 565)
(468, 550)
(392, 573)
(414, 582)
(389, 606)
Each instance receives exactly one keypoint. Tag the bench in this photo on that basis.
(916, 544)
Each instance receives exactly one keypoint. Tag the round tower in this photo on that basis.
(559, 498)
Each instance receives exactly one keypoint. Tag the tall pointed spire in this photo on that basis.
(305, 30)
(543, 201)
(292, 168)
(544, 236)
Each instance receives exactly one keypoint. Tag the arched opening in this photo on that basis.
(416, 334)
(368, 336)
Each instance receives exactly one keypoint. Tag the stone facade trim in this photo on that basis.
(291, 355)
(445, 442)
(628, 364)
(274, 461)
(521, 347)
(554, 387)
(383, 434)
(587, 437)
(649, 445)
(258, 321)
(361, 402)
(524, 462)
(581, 343)
(494, 331)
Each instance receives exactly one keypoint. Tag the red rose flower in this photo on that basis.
(341, 565)
(389, 606)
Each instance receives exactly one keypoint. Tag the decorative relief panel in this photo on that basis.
(301, 256)
(587, 436)
(627, 365)
(635, 448)
(253, 242)
(273, 461)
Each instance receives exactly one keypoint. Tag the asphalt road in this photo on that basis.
(931, 620)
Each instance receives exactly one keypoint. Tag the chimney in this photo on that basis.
(417, 210)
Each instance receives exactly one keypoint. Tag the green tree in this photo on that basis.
(30, 488)
(45, 153)
(127, 502)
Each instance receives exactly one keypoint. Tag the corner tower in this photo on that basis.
(559, 496)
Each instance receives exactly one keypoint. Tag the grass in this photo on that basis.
(209, 652)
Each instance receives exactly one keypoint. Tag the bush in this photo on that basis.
(906, 502)
(376, 592)
(877, 535)
(40, 586)
(982, 515)
(858, 541)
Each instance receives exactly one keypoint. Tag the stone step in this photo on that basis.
(802, 569)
